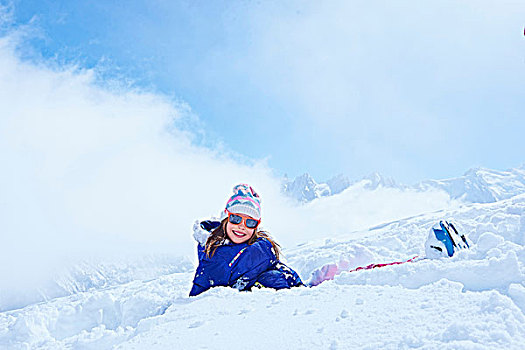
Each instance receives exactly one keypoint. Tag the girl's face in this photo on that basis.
(239, 233)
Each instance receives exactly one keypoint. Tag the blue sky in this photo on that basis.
(413, 90)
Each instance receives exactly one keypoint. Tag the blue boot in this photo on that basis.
(444, 240)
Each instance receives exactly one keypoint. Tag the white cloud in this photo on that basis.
(92, 171)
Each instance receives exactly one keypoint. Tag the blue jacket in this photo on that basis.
(241, 266)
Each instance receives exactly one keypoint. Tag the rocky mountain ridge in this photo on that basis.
(477, 185)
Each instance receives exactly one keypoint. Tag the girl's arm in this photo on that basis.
(210, 272)
(250, 263)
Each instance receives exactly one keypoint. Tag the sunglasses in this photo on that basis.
(237, 219)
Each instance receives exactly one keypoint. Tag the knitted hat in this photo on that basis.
(244, 201)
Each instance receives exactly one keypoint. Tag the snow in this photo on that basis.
(477, 185)
(92, 274)
(474, 300)
(482, 185)
(304, 188)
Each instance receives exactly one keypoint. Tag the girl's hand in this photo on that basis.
(200, 234)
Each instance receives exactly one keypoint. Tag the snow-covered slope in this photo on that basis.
(478, 185)
(475, 300)
(92, 274)
(350, 211)
(482, 185)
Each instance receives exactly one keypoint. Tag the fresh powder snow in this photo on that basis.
(474, 300)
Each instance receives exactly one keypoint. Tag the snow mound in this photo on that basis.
(474, 300)
(91, 275)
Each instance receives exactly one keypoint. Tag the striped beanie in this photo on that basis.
(244, 201)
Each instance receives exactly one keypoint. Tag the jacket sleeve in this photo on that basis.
(281, 276)
(200, 283)
(209, 273)
(250, 263)
(201, 232)
(204, 279)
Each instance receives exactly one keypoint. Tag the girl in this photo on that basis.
(234, 252)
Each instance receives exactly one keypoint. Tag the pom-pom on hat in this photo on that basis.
(244, 201)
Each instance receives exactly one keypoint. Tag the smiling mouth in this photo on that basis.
(239, 234)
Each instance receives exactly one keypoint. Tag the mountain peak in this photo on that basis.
(376, 180)
(338, 183)
(305, 189)
(476, 185)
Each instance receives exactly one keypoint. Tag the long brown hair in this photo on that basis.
(218, 236)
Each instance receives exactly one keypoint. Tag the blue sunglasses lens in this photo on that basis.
(251, 223)
(235, 219)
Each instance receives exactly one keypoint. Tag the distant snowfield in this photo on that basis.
(475, 300)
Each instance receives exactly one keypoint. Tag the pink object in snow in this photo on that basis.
(325, 273)
(329, 271)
